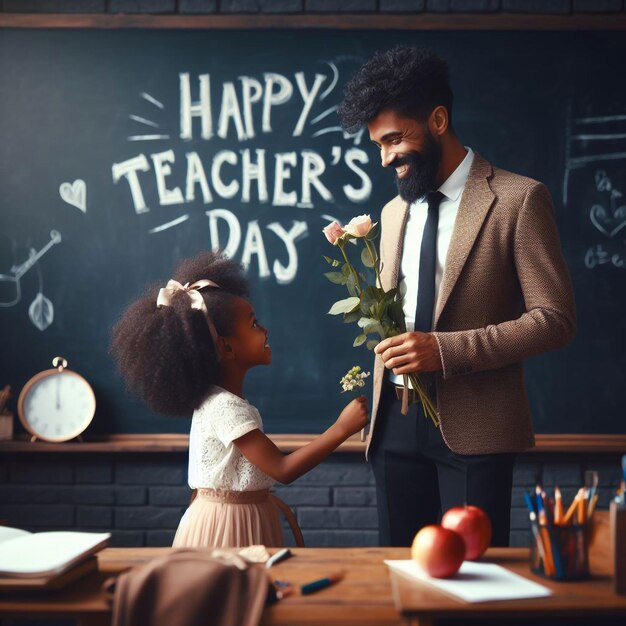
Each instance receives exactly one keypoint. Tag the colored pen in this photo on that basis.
(591, 481)
(529, 502)
(285, 553)
(541, 509)
(322, 583)
(538, 539)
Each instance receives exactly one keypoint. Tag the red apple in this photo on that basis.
(473, 524)
(439, 551)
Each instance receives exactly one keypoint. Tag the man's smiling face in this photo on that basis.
(408, 146)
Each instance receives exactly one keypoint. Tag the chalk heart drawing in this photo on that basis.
(75, 194)
(606, 224)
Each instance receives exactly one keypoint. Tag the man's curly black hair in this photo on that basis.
(411, 81)
(166, 355)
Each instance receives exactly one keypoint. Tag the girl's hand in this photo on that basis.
(354, 417)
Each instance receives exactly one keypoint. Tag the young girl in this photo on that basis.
(185, 348)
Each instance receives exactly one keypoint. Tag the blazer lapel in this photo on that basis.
(392, 241)
(475, 204)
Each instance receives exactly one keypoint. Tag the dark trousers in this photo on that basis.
(418, 477)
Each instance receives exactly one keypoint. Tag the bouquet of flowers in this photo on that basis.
(377, 313)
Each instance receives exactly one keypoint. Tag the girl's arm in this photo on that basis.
(261, 451)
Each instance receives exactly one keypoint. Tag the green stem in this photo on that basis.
(429, 408)
(374, 262)
(356, 277)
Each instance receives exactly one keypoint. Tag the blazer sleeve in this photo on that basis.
(549, 320)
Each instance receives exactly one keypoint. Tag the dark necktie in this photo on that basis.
(428, 264)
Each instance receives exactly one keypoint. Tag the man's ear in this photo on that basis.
(438, 120)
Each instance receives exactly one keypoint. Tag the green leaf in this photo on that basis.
(346, 270)
(353, 316)
(374, 232)
(344, 306)
(336, 277)
(374, 328)
(373, 293)
(332, 262)
(359, 341)
(350, 283)
(371, 344)
(366, 321)
(366, 259)
(396, 313)
(390, 295)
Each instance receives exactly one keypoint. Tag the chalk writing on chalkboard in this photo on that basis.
(41, 310)
(75, 194)
(592, 140)
(268, 116)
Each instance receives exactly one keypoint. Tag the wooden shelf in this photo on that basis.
(164, 443)
(379, 21)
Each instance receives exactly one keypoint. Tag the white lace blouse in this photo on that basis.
(214, 461)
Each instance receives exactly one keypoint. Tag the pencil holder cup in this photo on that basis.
(561, 552)
(618, 546)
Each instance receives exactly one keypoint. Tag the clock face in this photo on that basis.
(57, 406)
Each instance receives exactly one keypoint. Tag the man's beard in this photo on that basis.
(423, 168)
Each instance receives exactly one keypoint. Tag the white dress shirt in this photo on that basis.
(452, 190)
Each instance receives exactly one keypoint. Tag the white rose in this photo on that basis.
(359, 226)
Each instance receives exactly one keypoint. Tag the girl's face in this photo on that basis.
(248, 338)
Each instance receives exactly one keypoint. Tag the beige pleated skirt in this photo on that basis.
(220, 519)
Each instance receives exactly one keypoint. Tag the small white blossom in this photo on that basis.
(354, 379)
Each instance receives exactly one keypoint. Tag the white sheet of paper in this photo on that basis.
(476, 582)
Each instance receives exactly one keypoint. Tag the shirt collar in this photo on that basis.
(455, 183)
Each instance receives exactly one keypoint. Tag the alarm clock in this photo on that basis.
(56, 405)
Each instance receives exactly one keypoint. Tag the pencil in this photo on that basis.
(558, 507)
(547, 546)
(572, 508)
(321, 583)
(582, 509)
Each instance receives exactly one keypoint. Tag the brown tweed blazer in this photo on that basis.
(505, 295)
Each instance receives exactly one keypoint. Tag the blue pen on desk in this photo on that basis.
(322, 583)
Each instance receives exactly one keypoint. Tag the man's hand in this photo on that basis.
(410, 352)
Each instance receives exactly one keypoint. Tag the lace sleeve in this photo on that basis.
(232, 418)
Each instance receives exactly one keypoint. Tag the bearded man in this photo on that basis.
(476, 253)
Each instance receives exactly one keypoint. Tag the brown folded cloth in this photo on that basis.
(190, 587)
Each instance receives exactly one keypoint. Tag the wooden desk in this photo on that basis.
(368, 596)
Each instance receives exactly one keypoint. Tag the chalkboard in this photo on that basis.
(123, 151)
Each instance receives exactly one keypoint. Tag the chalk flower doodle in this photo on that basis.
(377, 313)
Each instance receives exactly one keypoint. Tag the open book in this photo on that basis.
(39, 555)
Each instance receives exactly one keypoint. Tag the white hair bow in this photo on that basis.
(197, 301)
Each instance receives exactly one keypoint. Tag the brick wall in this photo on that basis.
(141, 497)
(230, 7)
